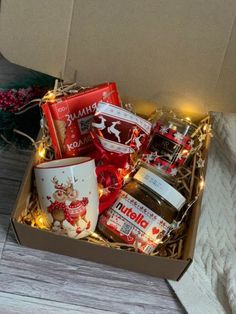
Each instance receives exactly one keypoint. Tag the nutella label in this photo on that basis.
(135, 223)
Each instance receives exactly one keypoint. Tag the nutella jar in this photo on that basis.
(143, 212)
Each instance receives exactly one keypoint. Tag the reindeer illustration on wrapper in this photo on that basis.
(119, 133)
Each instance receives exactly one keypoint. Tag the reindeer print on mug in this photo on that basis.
(67, 210)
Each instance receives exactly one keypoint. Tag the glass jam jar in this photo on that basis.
(171, 143)
(143, 212)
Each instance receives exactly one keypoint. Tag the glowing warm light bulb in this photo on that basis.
(205, 128)
(41, 220)
(51, 95)
(100, 190)
(185, 151)
(188, 119)
(95, 235)
(126, 176)
(201, 184)
(42, 152)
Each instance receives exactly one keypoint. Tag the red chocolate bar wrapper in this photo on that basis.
(69, 119)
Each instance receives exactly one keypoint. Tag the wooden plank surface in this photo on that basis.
(13, 163)
(12, 303)
(12, 168)
(4, 226)
(50, 283)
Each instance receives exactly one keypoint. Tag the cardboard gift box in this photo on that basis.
(193, 77)
(163, 267)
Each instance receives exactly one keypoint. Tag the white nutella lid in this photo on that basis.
(161, 187)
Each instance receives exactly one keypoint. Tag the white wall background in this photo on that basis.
(34, 33)
(173, 51)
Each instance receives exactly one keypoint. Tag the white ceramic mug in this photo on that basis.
(68, 191)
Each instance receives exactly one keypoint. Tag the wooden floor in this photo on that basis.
(33, 281)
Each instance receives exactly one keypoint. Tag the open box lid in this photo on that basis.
(180, 52)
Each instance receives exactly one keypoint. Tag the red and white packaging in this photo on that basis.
(119, 133)
(168, 149)
(69, 119)
(135, 223)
